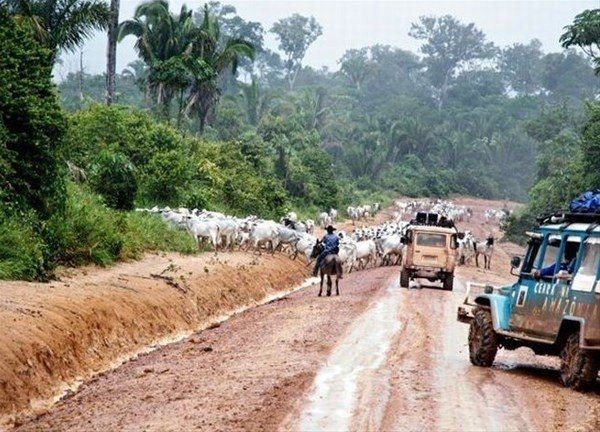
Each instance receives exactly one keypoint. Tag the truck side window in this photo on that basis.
(551, 250)
(586, 277)
(550, 255)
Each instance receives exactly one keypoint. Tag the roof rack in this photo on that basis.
(570, 218)
(432, 219)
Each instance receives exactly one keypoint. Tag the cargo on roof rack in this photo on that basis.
(571, 217)
(432, 219)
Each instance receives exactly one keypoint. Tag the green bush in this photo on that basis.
(21, 249)
(112, 176)
(90, 232)
(87, 231)
(235, 184)
(124, 129)
(166, 178)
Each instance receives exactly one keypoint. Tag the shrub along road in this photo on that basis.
(377, 357)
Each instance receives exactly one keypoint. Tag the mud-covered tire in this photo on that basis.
(449, 282)
(483, 341)
(404, 279)
(578, 368)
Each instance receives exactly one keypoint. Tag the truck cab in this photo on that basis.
(554, 305)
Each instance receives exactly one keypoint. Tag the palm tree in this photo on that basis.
(255, 101)
(216, 57)
(111, 51)
(61, 24)
(164, 43)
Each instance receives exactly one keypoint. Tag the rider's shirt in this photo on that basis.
(331, 242)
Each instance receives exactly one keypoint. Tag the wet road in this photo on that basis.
(426, 381)
(378, 357)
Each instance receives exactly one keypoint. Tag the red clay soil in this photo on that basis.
(60, 333)
(245, 375)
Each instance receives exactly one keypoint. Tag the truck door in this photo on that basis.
(525, 316)
(553, 297)
(585, 290)
(537, 245)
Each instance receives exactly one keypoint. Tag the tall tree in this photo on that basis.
(585, 33)
(216, 55)
(32, 124)
(569, 75)
(164, 42)
(521, 66)
(296, 34)
(356, 66)
(111, 51)
(232, 26)
(61, 24)
(449, 45)
(255, 101)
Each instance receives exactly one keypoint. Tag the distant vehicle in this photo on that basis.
(430, 251)
(554, 306)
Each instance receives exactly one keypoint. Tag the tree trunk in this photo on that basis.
(111, 54)
(444, 90)
(80, 76)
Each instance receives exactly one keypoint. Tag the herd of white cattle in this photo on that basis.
(364, 246)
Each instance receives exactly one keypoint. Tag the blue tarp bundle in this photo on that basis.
(589, 202)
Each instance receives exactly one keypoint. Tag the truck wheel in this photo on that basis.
(578, 368)
(483, 343)
(449, 282)
(404, 279)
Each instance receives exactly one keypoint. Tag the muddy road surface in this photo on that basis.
(376, 358)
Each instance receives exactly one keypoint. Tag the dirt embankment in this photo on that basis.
(57, 334)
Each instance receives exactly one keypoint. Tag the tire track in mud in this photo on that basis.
(471, 398)
(435, 387)
(355, 364)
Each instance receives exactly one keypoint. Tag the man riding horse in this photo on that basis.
(331, 245)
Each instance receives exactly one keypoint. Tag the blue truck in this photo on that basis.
(552, 308)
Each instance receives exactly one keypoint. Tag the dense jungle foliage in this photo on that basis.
(210, 116)
(450, 119)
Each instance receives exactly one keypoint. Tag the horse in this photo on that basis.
(332, 264)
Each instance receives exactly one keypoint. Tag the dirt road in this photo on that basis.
(376, 358)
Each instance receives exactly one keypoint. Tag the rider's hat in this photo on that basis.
(330, 229)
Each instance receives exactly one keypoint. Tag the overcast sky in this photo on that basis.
(355, 24)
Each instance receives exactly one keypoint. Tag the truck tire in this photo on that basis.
(578, 368)
(483, 342)
(404, 279)
(449, 282)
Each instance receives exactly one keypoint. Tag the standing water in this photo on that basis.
(356, 359)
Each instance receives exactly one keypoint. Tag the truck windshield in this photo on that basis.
(431, 240)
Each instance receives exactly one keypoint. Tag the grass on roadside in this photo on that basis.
(87, 231)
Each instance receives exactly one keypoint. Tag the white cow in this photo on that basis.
(305, 246)
(390, 246)
(324, 219)
(287, 237)
(366, 252)
(228, 229)
(347, 253)
(333, 213)
(203, 230)
(264, 233)
(310, 225)
(293, 216)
